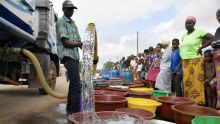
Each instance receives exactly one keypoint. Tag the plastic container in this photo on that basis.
(98, 92)
(109, 102)
(117, 93)
(130, 77)
(105, 75)
(127, 76)
(79, 118)
(105, 78)
(115, 73)
(139, 95)
(155, 121)
(145, 104)
(159, 93)
(185, 113)
(142, 90)
(118, 89)
(123, 74)
(167, 101)
(101, 85)
(147, 115)
(206, 120)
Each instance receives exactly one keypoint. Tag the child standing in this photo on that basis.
(154, 68)
(176, 69)
(210, 79)
(139, 68)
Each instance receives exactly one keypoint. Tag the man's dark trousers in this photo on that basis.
(74, 94)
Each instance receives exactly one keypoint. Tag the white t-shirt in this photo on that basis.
(139, 67)
(133, 64)
(165, 62)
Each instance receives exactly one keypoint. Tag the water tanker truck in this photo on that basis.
(28, 53)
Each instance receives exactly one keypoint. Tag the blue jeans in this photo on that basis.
(74, 94)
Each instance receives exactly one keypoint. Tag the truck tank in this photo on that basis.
(27, 24)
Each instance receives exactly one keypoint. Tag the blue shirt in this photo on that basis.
(175, 60)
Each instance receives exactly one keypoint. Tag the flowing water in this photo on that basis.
(88, 101)
(122, 119)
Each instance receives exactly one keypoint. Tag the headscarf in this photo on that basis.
(165, 42)
(192, 18)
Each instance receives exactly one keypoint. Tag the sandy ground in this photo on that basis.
(21, 105)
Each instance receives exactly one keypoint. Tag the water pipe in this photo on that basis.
(15, 31)
(41, 77)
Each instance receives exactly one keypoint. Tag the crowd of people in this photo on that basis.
(181, 67)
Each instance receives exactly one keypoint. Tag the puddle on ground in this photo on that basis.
(33, 119)
(54, 115)
(61, 108)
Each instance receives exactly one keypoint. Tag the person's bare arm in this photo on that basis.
(178, 66)
(213, 74)
(207, 40)
(71, 44)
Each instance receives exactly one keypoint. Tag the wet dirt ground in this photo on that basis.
(21, 105)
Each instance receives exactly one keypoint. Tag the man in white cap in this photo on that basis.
(68, 41)
(163, 80)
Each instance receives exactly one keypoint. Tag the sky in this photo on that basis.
(118, 21)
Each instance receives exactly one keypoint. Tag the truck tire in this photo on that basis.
(52, 78)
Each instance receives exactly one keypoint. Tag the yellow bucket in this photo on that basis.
(140, 103)
(142, 90)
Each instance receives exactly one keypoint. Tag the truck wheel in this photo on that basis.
(52, 78)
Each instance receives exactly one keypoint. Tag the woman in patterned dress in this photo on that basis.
(193, 41)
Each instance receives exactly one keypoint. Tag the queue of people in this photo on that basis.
(183, 69)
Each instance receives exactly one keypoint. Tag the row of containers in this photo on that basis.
(150, 106)
(127, 75)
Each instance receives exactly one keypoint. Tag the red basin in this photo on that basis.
(139, 94)
(185, 113)
(118, 89)
(115, 93)
(147, 115)
(106, 92)
(167, 101)
(78, 118)
(102, 87)
(109, 102)
(98, 92)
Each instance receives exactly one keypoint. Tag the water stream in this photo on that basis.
(88, 101)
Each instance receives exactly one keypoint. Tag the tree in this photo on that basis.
(108, 65)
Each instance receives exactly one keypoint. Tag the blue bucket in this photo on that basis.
(124, 78)
(105, 75)
(127, 76)
(115, 73)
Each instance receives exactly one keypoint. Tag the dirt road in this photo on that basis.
(20, 105)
